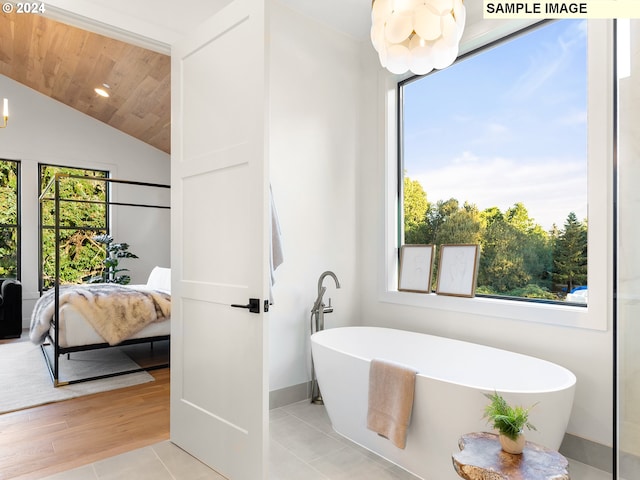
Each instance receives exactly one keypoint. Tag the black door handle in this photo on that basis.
(253, 305)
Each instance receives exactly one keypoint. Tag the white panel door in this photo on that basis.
(219, 371)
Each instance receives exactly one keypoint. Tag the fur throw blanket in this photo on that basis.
(115, 311)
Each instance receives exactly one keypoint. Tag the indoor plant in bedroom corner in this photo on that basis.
(508, 421)
(113, 253)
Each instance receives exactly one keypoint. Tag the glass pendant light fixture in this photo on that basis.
(417, 35)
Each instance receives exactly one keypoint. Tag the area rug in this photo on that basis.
(25, 380)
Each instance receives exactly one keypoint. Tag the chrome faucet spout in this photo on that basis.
(321, 280)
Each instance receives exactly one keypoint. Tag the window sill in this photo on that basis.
(544, 313)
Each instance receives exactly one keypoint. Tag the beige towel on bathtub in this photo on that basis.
(391, 388)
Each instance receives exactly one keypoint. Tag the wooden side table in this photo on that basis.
(481, 458)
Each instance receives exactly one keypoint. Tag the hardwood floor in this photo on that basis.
(48, 439)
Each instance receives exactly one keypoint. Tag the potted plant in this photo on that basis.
(113, 253)
(509, 421)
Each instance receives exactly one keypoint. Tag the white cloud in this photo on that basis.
(548, 188)
(466, 158)
(497, 128)
(548, 62)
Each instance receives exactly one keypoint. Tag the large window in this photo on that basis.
(83, 214)
(494, 152)
(9, 219)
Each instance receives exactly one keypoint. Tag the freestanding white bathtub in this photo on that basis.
(448, 401)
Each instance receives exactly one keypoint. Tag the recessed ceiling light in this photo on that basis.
(103, 92)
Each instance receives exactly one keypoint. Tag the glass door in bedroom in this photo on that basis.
(219, 382)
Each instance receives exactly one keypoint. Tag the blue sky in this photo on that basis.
(506, 126)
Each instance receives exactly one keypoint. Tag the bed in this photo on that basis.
(82, 317)
(96, 316)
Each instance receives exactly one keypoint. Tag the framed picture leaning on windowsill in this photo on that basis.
(416, 268)
(458, 270)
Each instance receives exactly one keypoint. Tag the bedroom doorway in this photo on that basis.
(219, 363)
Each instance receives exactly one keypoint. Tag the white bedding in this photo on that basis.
(76, 330)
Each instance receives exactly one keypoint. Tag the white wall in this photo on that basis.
(315, 80)
(42, 130)
(588, 353)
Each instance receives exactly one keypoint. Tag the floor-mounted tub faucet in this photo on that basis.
(317, 323)
(319, 308)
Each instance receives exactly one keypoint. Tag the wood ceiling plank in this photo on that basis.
(6, 42)
(53, 63)
(21, 55)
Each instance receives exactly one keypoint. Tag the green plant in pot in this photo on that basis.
(111, 271)
(509, 421)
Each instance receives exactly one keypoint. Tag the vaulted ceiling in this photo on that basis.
(67, 63)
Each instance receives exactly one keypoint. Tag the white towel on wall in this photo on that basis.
(276, 256)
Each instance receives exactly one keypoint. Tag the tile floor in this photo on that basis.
(303, 447)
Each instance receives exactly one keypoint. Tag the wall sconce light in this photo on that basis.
(417, 35)
(5, 112)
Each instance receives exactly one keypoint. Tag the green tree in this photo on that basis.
(8, 218)
(80, 220)
(502, 266)
(492, 214)
(570, 254)
(518, 216)
(537, 252)
(463, 225)
(533, 245)
(415, 207)
(437, 216)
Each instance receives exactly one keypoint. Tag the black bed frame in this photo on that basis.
(53, 364)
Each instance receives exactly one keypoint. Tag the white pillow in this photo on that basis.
(160, 279)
